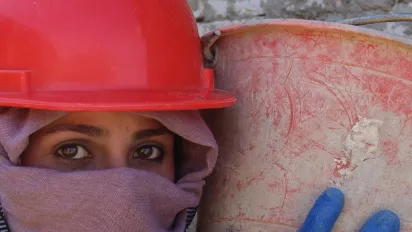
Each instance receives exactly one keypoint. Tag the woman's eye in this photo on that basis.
(148, 153)
(72, 152)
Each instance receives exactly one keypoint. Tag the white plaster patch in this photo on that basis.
(360, 144)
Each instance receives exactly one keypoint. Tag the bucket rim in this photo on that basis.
(303, 24)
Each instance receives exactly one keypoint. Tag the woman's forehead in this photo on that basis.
(108, 118)
(102, 123)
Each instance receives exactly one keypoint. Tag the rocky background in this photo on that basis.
(212, 14)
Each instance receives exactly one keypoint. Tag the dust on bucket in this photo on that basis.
(319, 104)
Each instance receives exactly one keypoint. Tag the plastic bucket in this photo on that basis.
(319, 105)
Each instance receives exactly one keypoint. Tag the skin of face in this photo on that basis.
(83, 141)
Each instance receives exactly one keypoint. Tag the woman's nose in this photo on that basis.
(110, 161)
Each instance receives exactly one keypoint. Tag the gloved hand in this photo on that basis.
(329, 205)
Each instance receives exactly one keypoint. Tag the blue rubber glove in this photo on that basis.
(327, 208)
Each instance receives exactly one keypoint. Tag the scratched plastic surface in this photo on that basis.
(320, 105)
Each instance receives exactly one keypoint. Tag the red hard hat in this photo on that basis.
(103, 55)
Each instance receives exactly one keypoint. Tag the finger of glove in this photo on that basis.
(383, 221)
(325, 212)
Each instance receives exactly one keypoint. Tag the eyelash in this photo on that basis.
(74, 144)
(157, 146)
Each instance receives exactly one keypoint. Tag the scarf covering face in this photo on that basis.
(121, 199)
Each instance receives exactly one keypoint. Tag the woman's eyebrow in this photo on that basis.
(94, 131)
(91, 131)
(147, 133)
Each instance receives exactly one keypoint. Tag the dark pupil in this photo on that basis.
(145, 152)
(69, 151)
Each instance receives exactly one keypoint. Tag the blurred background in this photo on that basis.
(212, 14)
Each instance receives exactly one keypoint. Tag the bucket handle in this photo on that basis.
(386, 18)
(209, 53)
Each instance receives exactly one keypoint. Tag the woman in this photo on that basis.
(99, 128)
(102, 171)
(99, 123)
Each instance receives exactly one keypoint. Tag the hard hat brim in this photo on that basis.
(124, 100)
